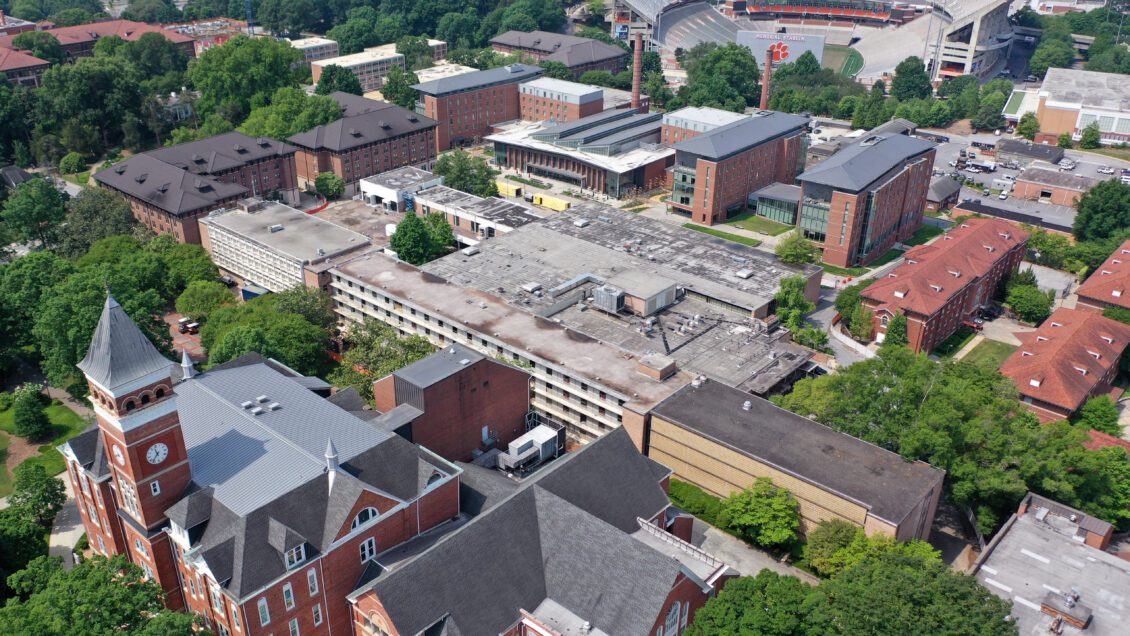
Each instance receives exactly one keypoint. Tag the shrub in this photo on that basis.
(72, 163)
(30, 419)
(6, 400)
(696, 501)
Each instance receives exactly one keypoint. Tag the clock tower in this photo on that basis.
(131, 390)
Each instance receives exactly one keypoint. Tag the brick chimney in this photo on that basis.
(3, 20)
(637, 71)
(765, 79)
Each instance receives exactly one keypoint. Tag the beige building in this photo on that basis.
(314, 49)
(370, 66)
(722, 439)
(1070, 100)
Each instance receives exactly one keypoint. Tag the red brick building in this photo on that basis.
(1047, 184)
(79, 41)
(466, 106)
(371, 137)
(715, 171)
(264, 166)
(22, 69)
(867, 197)
(456, 401)
(942, 285)
(1071, 358)
(1109, 285)
(548, 98)
(576, 53)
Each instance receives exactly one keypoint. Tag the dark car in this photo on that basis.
(227, 280)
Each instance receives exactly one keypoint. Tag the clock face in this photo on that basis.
(119, 456)
(157, 453)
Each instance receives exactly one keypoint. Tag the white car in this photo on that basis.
(1106, 170)
(1007, 177)
(1002, 196)
(953, 164)
(973, 170)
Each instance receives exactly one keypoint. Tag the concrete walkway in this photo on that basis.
(740, 556)
(67, 530)
(969, 346)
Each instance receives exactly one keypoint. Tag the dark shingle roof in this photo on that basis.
(13, 176)
(364, 121)
(570, 50)
(860, 164)
(221, 153)
(439, 366)
(167, 187)
(942, 188)
(509, 74)
(119, 352)
(742, 134)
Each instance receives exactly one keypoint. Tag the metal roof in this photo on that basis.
(860, 164)
(440, 365)
(779, 192)
(119, 352)
(364, 121)
(741, 135)
(509, 74)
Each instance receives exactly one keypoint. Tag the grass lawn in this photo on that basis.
(924, 233)
(1117, 153)
(954, 343)
(843, 59)
(843, 271)
(725, 235)
(886, 257)
(990, 351)
(752, 222)
(79, 178)
(530, 182)
(65, 423)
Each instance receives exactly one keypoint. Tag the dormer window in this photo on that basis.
(1041, 338)
(1116, 262)
(365, 516)
(911, 261)
(989, 248)
(1081, 370)
(1057, 324)
(295, 555)
(1005, 235)
(1117, 293)
(1107, 339)
(900, 294)
(1025, 354)
(1034, 382)
(1106, 272)
(936, 288)
(1095, 354)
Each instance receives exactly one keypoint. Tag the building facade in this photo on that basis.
(78, 41)
(22, 69)
(715, 172)
(862, 200)
(945, 284)
(1109, 285)
(467, 106)
(371, 137)
(370, 66)
(547, 98)
(1047, 184)
(1070, 100)
(473, 218)
(578, 54)
(314, 49)
(692, 121)
(395, 190)
(265, 167)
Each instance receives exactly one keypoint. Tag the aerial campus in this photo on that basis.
(564, 318)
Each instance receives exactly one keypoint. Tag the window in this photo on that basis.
(295, 555)
(288, 596)
(363, 517)
(235, 617)
(223, 630)
(312, 581)
(264, 614)
(671, 623)
(294, 627)
(317, 611)
(217, 599)
(155, 487)
(368, 549)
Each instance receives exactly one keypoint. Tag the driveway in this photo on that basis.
(1004, 329)
(822, 318)
(67, 530)
(740, 556)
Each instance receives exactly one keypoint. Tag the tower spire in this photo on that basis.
(187, 371)
(331, 462)
(119, 352)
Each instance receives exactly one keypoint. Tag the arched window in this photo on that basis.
(130, 406)
(436, 476)
(160, 393)
(671, 624)
(365, 516)
(145, 399)
(885, 320)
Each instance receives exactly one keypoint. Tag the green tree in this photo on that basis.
(29, 418)
(416, 51)
(462, 171)
(288, 16)
(768, 604)
(1101, 414)
(849, 297)
(240, 340)
(72, 163)
(23, 540)
(315, 305)
(733, 64)
(826, 543)
(42, 45)
(1103, 211)
(1091, 137)
(335, 78)
(90, 102)
(911, 80)
(989, 114)
(203, 297)
(372, 351)
(398, 87)
(1065, 141)
(358, 32)
(792, 305)
(556, 70)
(1029, 126)
(34, 210)
(797, 250)
(24, 284)
(183, 264)
(38, 494)
(763, 514)
(35, 575)
(1051, 53)
(104, 596)
(95, 214)
(243, 73)
(329, 185)
(861, 323)
(290, 112)
(259, 326)
(411, 241)
(459, 30)
(72, 17)
(151, 11)
(214, 124)
(655, 87)
(896, 332)
(440, 234)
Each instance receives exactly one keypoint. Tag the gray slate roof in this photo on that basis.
(119, 352)
(740, 135)
(12, 176)
(509, 74)
(90, 451)
(439, 366)
(1047, 152)
(167, 187)
(941, 188)
(364, 121)
(221, 153)
(860, 164)
(563, 534)
(570, 50)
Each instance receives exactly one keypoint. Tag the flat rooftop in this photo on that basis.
(494, 209)
(311, 42)
(703, 115)
(362, 219)
(367, 56)
(401, 178)
(1032, 559)
(779, 192)
(574, 89)
(290, 232)
(508, 74)
(1046, 174)
(889, 486)
(1065, 87)
(520, 134)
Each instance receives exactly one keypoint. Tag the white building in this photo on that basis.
(314, 49)
(1071, 100)
(370, 66)
(968, 37)
(393, 190)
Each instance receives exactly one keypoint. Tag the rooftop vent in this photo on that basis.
(141, 177)
(465, 361)
(747, 405)
(274, 406)
(261, 399)
(413, 118)
(277, 227)
(163, 188)
(197, 159)
(239, 148)
(258, 410)
(384, 125)
(263, 142)
(357, 133)
(247, 404)
(872, 140)
(744, 274)
(120, 168)
(581, 223)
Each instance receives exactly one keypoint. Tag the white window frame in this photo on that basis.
(312, 581)
(288, 596)
(217, 598)
(264, 612)
(317, 613)
(294, 627)
(155, 487)
(295, 555)
(372, 513)
(368, 549)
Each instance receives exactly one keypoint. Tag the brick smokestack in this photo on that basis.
(765, 79)
(637, 71)
(3, 20)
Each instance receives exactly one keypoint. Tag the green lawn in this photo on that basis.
(80, 178)
(1117, 153)
(990, 351)
(843, 271)
(66, 424)
(530, 182)
(752, 222)
(1014, 101)
(924, 233)
(887, 257)
(725, 235)
(843, 59)
(954, 343)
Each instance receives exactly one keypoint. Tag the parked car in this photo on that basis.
(1007, 177)
(1030, 78)
(986, 192)
(953, 164)
(227, 280)
(183, 323)
(193, 327)
(1002, 196)
(1011, 165)
(1106, 170)
(973, 170)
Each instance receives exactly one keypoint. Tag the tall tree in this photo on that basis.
(792, 305)
(23, 540)
(411, 241)
(24, 285)
(290, 112)
(768, 604)
(733, 64)
(462, 171)
(556, 70)
(95, 214)
(763, 514)
(1101, 414)
(95, 96)
(398, 87)
(29, 420)
(242, 73)
(374, 350)
(1104, 211)
(151, 11)
(203, 297)
(1029, 125)
(896, 331)
(911, 80)
(42, 45)
(797, 250)
(335, 78)
(1091, 138)
(34, 210)
(288, 16)
(37, 493)
(416, 51)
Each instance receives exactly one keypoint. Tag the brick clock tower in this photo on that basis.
(131, 389)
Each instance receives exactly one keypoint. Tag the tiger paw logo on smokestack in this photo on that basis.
(780, 51)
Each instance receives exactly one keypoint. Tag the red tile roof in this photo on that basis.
(125, 29)
(18, 60)
(932, 274)
(1099, 439)
(1064, 361)
(1110, 283)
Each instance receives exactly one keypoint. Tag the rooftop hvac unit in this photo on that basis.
(533, 448)
(581, 222)
(277, 227)
(745, 273)
(608, 299)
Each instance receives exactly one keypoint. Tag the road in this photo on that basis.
(822, 317)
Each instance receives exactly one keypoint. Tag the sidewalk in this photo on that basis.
(67, 530)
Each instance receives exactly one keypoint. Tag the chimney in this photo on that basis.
(3, 20)
(765, 79)
(637, 71)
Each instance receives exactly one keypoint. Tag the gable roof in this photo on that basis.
(509, 74)
(1056, 363)
(221, 153)
(1110, 283)
(170, 188)
(125, 29)
(13, 60)
(742, 134)
(364, 121)
(119, 352)
(926, 279)
(860, 164)
(570, 50)
(942, 188)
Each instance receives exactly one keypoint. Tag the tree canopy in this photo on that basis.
(268, 327)
(95, 214)
(34, 210)
(243, 73)
(421, 239)
(1104, 211)
(763, 514)
(336, 78)
(463, 171)
(290, 112)
(372, 351)
(911, 80)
